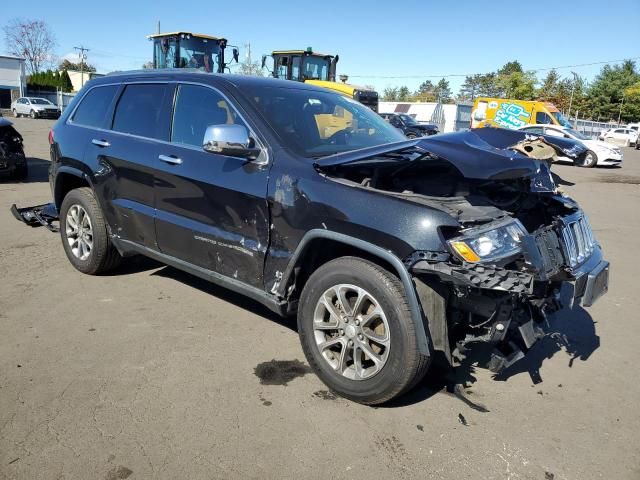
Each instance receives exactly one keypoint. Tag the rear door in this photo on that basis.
(125, 153)
(211, 209)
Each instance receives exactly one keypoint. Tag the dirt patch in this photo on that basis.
(628, 179)
(280, 372)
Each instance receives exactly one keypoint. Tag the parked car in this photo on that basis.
(621, 136)
(34, 107)
(13, 163)
(389, 251)
(600, 153)
(409, 125)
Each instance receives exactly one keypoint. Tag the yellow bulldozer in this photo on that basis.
(317, 69)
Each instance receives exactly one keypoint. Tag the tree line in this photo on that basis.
(614, 92)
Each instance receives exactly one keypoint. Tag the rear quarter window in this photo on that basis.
(93, 107)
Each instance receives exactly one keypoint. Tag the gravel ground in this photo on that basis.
(152, 373)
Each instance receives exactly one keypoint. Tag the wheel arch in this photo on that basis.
(306, 260)
(67, 179)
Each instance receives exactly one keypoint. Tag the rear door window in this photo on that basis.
(196, 108)
(139, 110)
(93, 107)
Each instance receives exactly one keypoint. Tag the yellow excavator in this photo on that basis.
(318, 69)
(190, 50)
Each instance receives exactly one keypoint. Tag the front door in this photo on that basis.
(211, 209)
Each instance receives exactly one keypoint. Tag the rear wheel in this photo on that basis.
(411, 135)
(590, 159)
(84, 233)
(15, 113)
(357, 332)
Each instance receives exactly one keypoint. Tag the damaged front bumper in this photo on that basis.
(470, 303)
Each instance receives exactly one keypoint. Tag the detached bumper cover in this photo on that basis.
(38, 216)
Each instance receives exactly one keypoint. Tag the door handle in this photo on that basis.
(170, 159)
(100, 143)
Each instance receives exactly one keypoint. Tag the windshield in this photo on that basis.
(315, 68)
(578, 135)
(408, 119)
(199, 53)
(40, 101)
(315, 123)
(562, 120)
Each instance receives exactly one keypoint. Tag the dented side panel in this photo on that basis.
(301, 199)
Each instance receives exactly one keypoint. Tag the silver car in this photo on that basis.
(35, 107)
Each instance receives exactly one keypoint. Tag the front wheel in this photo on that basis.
(21, 173)
(84, 233)
(357, 332)
(411, 136)
(590, 160)
(33, 114)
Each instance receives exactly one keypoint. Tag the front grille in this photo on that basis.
(577, 238)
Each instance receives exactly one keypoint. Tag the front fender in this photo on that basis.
(379, 252)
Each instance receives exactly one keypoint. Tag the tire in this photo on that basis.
(102, 256)
(15, 113)
(402, 366)
(627, 143)
(411, 135)
(590, 159)
(33, 114)
(21, 173)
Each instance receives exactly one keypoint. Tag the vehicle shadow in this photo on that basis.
(227, 295)
(571, 331)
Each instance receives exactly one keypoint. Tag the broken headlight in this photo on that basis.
(489, 243)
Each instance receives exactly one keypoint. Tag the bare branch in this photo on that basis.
(31, 40)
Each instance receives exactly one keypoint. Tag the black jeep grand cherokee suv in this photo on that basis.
(390, 250)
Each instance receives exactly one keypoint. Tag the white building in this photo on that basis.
(78, 79)
(12, 79)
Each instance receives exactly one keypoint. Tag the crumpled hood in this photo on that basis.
(480, 153)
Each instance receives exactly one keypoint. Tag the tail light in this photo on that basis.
(51, 140)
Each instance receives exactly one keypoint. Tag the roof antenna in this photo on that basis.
(158, 26)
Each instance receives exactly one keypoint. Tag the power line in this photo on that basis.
(450, 75)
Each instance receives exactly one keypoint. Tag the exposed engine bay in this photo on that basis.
(519, 239)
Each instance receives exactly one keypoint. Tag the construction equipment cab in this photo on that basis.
(317, 69)
(190, 50)
(508, 113)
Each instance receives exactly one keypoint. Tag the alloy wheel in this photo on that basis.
(79, 232)
(351, 331)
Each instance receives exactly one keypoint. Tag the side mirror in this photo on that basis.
(236, 54)
(230, 140)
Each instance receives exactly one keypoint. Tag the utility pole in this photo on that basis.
(82, 56)
(620, 112)
(573, 87)
(247, 58)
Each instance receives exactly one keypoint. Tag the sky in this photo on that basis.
(411, 41)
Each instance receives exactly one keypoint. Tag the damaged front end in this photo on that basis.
(12, 159)
(500, 273)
